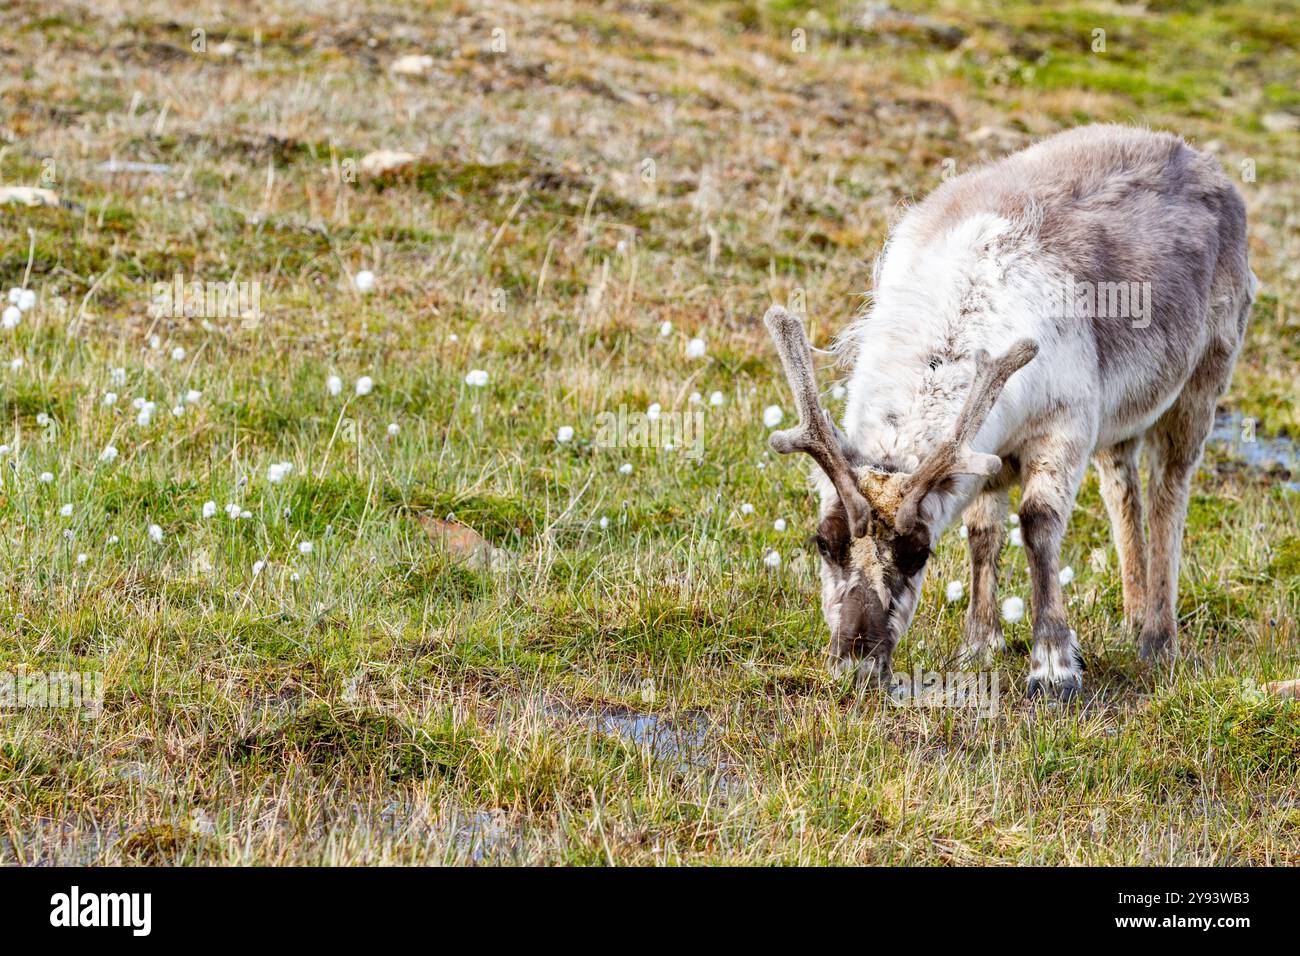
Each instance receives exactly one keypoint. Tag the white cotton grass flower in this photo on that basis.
(14, 293)
(15, 364)
(113, 539)
(1016, 538)
(1066, 575)
(654, 411)
(779, 524)
(232, 511)
(178, 354)
(365, 385)
(117, 376)
(4, 450)
(209, 509)
(696, 349)
(178, 411)
(333, 384)
(954, 592)
(964, 533)
(110, 398)
(746, 509)
(155, 534)
(1013, 609)
(393, 429)
(772, 559)
(476, 378)
(11, 317)
(294, 577)
(772, 416)
(245, 515)
(277, 472)
(42, 419)
(565, 434)
(838, 391)
(625, 468)
(108, 454)
(665, 329)
(192, 396)
(82, 558)
(695, 398)
(716, 399)
(1013, 519)
(46, 477)
(66, 511)
(26, 300)
(364, 281)
(604, 522)
(305, 547)
(257, 567)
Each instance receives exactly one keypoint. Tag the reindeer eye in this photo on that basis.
(824, 547)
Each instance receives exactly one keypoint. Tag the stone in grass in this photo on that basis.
(412, 64)
(28, 196)
(386, 162)
(464, 543)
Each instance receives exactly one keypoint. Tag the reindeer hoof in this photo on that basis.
(1157, 645)
(1042, 690)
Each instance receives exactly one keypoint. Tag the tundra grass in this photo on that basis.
(632, 678)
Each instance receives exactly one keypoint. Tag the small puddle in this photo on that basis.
(475, 835)
(1235, 435)
(484, 834)
(680, 739)
(54, 843)
(666, 740)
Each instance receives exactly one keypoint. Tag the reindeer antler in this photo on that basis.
(815, 434)
(954, 455)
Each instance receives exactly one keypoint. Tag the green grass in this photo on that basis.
(378, 700)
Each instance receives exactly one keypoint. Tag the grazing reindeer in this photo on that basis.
(1106, 268)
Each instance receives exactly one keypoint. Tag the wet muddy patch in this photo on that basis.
(484, 835)
(686, 739)
(1236, 439)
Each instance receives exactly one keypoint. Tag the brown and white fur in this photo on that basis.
(977, 266)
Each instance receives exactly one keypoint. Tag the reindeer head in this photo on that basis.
(873, 535)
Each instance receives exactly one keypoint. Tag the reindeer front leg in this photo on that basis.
(985, 520)
(1051, 471)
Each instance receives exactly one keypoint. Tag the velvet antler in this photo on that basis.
(815, 434)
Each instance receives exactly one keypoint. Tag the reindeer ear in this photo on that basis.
(967, 463)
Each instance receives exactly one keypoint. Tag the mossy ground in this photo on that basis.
(617, 166)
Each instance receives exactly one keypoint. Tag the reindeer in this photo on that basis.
(935, 426)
